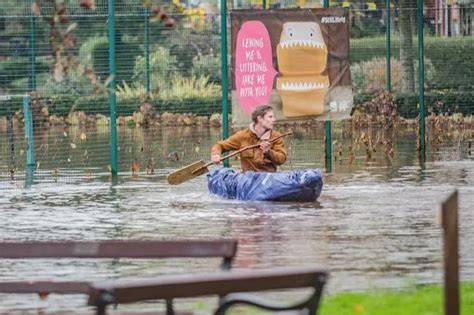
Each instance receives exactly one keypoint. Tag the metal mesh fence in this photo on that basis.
(169, 83)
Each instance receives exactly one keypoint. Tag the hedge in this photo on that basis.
(126, 106)
(450, 57)
(61, 105)
(18, 68)
(438, 102)
(9, 107)
(125, 54)
(5, 48)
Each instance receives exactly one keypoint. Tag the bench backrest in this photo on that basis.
(119, 249)
(219, 283)
(225, 249)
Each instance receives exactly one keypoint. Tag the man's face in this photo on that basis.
(267, 120)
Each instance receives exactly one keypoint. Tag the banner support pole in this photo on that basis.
(327, 128)
(224, 83)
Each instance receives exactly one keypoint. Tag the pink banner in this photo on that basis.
(254, 72)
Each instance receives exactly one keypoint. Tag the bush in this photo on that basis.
(192, 87)
(439, 103)
(125, 59)
(93, 104)
(21, 85)
(450, 57)
(365, 49)
(185, 46)
(75, 83)
(60, 104)
(456, 71)
(162, 67)
(86, 49)
(177, 87)
(370, 76)
(13, 69)
(407, 105)
(3, 20)
(364, 25)
(207, 66)
(94, 53)
(9, 107)
(99, 104)
(5, 49)
(194, 105)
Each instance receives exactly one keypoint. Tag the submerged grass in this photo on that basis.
(427, 300)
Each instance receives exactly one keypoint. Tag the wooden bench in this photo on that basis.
(225, 249)
(222, 284)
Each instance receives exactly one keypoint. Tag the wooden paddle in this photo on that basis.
(200, 167)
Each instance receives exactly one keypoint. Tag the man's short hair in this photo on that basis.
(260, 111)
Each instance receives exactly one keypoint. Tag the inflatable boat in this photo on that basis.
(299, 185)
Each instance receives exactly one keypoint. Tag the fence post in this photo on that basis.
(32, 80)
(111, 87)
(30, 152)
(449, 221)
(147, 49)
(327, 129)
(224, 83)
(421, 78)
(388, 42)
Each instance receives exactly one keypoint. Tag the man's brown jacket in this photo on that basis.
(254, 159)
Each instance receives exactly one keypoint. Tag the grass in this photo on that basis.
(426, 300)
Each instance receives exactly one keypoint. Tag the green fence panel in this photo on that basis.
(169, 82)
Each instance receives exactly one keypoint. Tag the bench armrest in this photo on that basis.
(311, 303)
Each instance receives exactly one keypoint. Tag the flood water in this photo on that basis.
(375, 226)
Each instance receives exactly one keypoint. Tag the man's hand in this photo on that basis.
(265, 146)
(216, 158)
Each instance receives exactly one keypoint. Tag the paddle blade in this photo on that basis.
(186, 173)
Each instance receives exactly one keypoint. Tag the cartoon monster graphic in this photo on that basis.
(302, 58)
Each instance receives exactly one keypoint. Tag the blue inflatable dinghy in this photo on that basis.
(300, 185)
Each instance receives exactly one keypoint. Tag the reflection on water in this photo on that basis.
(374, 225)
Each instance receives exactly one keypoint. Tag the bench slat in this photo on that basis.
(218, 283)
(45, 287)
(117, 249)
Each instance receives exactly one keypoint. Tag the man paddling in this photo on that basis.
(265, 158)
